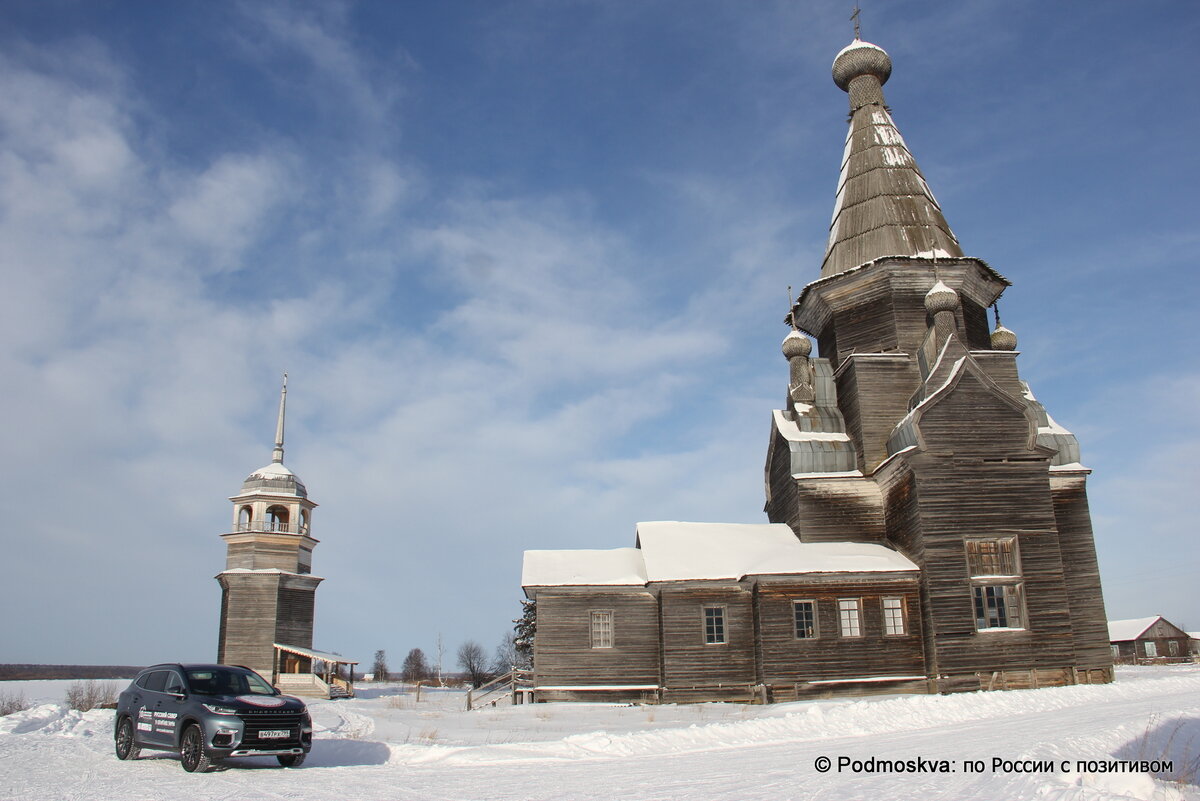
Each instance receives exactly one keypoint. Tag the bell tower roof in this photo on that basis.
(884, 207)
(275, 479)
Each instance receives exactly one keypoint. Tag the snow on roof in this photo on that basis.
(619, 566)
(674, 551)
(1195, 635)
(858, 43)
(273, 470)
(1122, 630)
(791, 431)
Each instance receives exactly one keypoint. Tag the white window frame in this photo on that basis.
(720, 632)
(1173, 647)
(850, 617)
(602, 628)
(815, 629)
(895, 623)
(1151, 649)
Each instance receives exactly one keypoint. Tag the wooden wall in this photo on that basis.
(563, 652)
(873, 393)
(1081, 571)
(249, 606)
(788, 660)
(690, 662)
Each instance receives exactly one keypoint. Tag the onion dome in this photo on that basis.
(941, 298)
(796, 344)
(274, 479)
(1003, 339)
(861, 58)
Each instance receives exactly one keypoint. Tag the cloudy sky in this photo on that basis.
(526, 265)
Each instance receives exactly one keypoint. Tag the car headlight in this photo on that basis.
(217, 709)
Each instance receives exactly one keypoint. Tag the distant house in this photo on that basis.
(1146, 640)
(1195, 643)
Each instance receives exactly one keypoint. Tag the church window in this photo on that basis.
(805, 614)
(993, 557)
(303, 521)
(714, 625)
(245, 514)
(849, 617)
(998, 606)
(893, 616)
(602, 629)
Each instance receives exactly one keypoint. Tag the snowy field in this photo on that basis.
(386, 745)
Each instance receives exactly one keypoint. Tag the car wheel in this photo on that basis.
(291, 760)
(191, 751)
(126, 747)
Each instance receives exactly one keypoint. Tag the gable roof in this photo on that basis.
(1123, 630)
(675, 551)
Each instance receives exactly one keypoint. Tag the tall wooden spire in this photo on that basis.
(884, 207)
(277, 456)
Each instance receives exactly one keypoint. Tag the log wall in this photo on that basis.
(563, 653)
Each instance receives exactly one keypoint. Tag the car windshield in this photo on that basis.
(224, 681)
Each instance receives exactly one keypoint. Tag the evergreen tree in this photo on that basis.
(524, 631)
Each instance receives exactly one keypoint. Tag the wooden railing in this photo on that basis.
(499, 688)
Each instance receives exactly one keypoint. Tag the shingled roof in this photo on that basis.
(884, 207)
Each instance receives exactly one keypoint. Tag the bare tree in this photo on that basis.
(380, 668)
(473, 660)
(441, 652)
(415, 668)
(506, 656)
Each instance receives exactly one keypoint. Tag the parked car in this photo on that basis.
(208, 713)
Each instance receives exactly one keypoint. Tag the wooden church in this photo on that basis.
(929, 527)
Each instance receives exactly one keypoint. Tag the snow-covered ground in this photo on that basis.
(387, 745)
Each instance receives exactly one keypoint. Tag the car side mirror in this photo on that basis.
(178, 696)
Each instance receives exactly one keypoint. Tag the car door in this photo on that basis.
(146, 700)
(168, 708)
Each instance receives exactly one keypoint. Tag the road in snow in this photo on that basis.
(385, 745)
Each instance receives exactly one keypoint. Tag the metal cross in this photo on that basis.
(854, 19)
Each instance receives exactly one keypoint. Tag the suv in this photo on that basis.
(208, 713)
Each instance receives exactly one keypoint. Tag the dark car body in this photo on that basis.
(208, 713)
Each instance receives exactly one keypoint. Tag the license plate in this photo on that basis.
(274, 734)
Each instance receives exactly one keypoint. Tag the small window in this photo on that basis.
(805, 614)
(893, 616)
(998, 606)
(992, 557)
(714, 625)
(602, 629)
(1116, 652)
(174, 683)
(849, 617)
(1173, 647)
(1151, 650)
(156, 681)
(245, 515)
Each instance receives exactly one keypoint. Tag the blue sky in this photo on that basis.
(526, 265)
